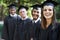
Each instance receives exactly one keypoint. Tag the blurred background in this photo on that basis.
(5, 3)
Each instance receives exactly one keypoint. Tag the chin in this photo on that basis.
(48, 17)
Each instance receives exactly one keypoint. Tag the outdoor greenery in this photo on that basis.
(5, 3)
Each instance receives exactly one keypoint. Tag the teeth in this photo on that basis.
(47, 14)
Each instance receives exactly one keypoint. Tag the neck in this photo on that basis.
(23, 18)
(48, 22)
(12, 13)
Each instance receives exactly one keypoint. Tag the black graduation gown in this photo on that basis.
(9, 28)
(58, 31)
(23, 30)
(34, 26)
(51, 33)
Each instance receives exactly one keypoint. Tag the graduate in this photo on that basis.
(49, 28)
(22, 32)
(36, 15)
(12, 10)
(36, 12)
(9, 23)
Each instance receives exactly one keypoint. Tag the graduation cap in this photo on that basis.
(49, 2)
(21, 6)
(36, 6)
(12, 6)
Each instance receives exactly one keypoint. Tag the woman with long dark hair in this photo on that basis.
(49, 28)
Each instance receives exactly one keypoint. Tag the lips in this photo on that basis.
(47, 14)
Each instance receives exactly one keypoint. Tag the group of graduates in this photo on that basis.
(43, 26)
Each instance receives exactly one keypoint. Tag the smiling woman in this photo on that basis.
(48, 30)
(48, 12)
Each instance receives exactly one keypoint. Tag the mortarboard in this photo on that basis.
(36, 6)
(21, 6)
(12, 6)
(49, 2)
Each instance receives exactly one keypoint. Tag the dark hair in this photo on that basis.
(43, 20)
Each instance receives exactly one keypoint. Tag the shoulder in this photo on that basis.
(29, 20)
(58, 23)
(7, 17)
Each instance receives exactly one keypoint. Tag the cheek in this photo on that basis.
(51, 13)
(9, 10)
(20, 13)
(44, 13)
(34, 12)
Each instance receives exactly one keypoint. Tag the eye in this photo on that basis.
(45, 10)
(50, 10)
(34, 11)
(37, 12)
(23, 11)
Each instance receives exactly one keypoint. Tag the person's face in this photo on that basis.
(36, 14)
(12, 11)
(48, 11)
(23, 12)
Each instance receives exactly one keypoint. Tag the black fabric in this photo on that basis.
(9, 28)
(33, 29)
(22, 30)
(47, 34)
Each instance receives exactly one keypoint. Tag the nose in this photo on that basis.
(47, 11)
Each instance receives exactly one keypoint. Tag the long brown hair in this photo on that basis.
(43, 20)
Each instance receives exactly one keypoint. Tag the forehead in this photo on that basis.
(48, 6)
(39, 9)
(22, 9)
(12, 8)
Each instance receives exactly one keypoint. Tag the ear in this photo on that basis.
(26, 12)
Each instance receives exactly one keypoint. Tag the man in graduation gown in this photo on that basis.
(36, 15)
(22, 31)
(9, 23)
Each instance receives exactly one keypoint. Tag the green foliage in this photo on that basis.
(58, 9)
(58, 12)
(28, 3)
